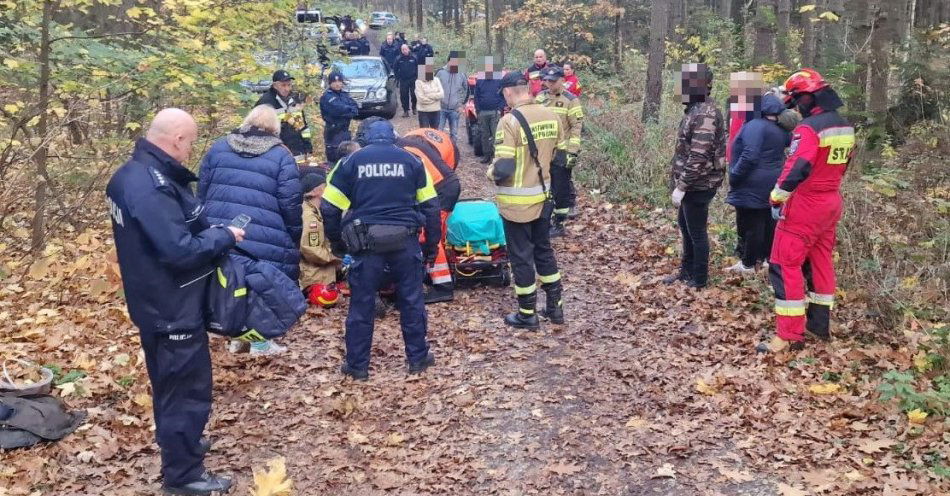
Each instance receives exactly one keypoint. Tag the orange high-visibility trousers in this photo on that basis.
(439, 271)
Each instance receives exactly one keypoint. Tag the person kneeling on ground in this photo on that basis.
(318, 266)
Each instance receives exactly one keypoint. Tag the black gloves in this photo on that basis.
(337, 248)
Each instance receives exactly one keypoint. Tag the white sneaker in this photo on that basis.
(765, 266)
(740, 268)
(238, 346)
(264, 348)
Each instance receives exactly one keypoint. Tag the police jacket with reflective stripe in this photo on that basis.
(164, 242)
(380, 184)
(519, 190)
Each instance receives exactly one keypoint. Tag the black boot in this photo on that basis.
(557, 226)
(680, 276)
(204, 444)
(359, 375)
(420, 366)
(553, 304)
(439, 293)
(485, 160)
(381, 307)
(525, 317)
(207, 484)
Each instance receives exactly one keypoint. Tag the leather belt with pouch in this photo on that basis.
(377, 238)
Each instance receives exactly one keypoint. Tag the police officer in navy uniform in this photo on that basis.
(166, 248)
(337, 108)
(389, 196)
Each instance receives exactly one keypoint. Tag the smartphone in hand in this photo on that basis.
(241, 221)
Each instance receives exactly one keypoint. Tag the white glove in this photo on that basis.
(677, 197)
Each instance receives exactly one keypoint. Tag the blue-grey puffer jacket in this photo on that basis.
(250, 172)
(758, 154)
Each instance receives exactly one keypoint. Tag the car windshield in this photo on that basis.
(361, 69)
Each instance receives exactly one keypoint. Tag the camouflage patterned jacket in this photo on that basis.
(699, 161)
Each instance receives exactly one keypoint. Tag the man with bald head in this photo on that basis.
(533, 72)
(166, 247)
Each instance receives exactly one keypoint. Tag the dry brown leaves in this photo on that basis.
(648, 389)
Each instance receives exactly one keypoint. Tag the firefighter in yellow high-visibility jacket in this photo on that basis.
(525, 144)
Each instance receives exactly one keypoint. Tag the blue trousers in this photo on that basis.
(366, 276)
(452, 118)
(179, 368)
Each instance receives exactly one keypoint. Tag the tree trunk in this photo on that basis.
(809, 39)
(618, 39)
(677, 17)
(420, 21)
(781, 40)
(498, 7)
(659, 19)
(38, 237)
(412, 12)
(859, 45)
(725, 9)
(880, 69)
(459, 5)
(764, 32)
(488, 22)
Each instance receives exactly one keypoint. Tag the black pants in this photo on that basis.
(429, 119)
(756, 229)
(529, 250)
(487, 125)
(561, 188)
(367, 275)
(407, 94)
(693, 217)
(179, 368)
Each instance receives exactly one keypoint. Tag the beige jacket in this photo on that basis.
(317, 264)
(521, 194)
(429, 94)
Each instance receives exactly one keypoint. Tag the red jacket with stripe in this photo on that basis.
(822, 147)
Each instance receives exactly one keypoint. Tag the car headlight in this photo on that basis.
(381, 93)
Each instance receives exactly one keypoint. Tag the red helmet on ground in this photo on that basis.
(324, 295)
(803, 81)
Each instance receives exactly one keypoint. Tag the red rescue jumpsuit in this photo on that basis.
(808, 190)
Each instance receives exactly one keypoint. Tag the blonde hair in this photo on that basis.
(263, 117)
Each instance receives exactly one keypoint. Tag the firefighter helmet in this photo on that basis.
(442, 142)
(803, 81)
(324, 295)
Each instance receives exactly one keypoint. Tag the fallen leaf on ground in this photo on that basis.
(875, 445)
(704, 388)
(829, 388)
(565, 468)
(917, 416)
(273, 481)
(788, 490)
(665, 471)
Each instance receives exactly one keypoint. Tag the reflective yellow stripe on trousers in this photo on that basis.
(790, 308)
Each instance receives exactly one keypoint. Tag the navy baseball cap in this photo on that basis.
(513, 78)
(552, 73)
(281, 75)
(334, 77)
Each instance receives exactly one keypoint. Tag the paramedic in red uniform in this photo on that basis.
(807, 204)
